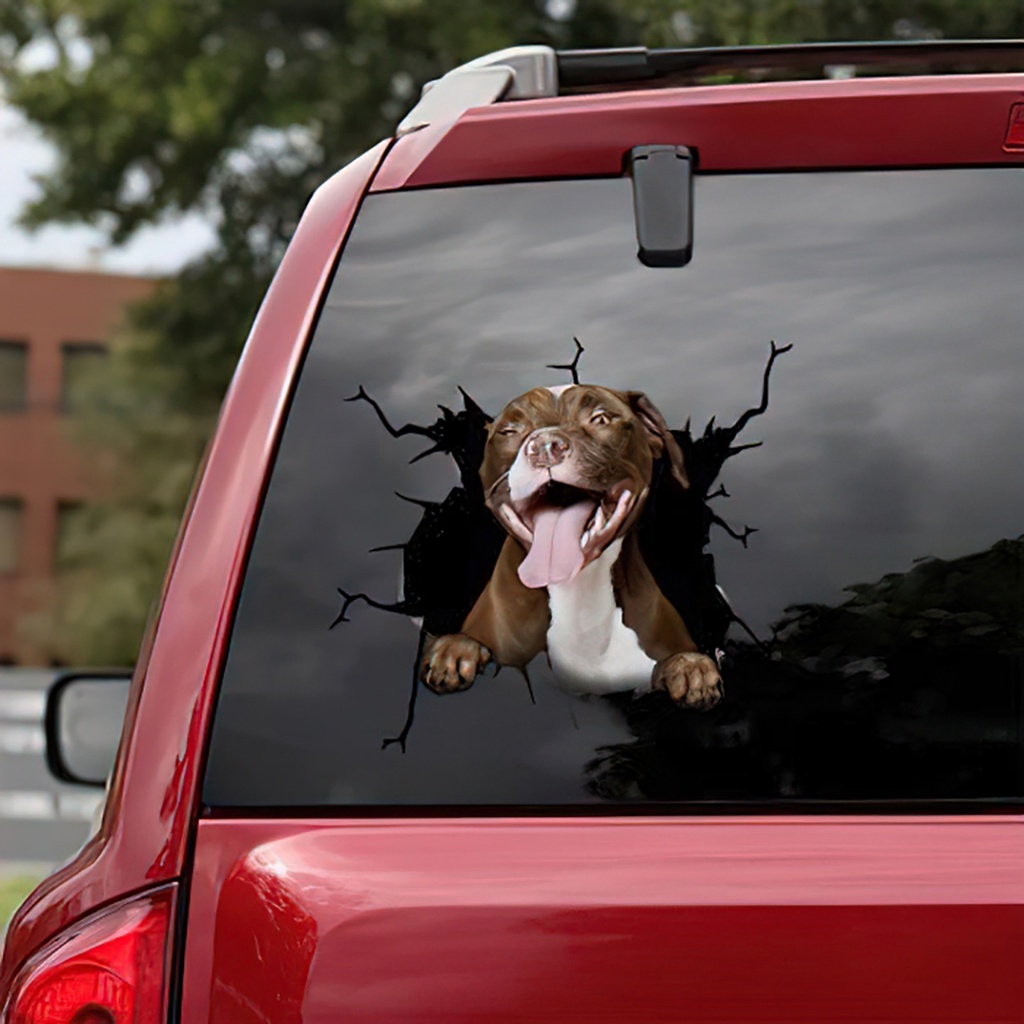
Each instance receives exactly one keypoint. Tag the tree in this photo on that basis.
(239, 109)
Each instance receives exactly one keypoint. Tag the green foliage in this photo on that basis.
(13, 890)
(239, 109)
(748, 22)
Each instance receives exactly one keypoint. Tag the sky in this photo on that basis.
(24, 154)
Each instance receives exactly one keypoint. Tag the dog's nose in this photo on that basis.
(546, 449)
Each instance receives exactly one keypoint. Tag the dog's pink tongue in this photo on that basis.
(555, 555)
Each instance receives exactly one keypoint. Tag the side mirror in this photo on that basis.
(84, 716)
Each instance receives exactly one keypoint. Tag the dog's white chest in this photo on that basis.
(591, 649)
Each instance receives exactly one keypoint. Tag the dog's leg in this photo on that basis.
(508, 624)
(646, 610)
(681, 670)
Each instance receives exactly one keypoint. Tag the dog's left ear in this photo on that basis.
(660, 437)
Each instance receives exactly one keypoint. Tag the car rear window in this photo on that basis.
(830, 503)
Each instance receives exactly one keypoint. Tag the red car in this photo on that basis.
(747, 553)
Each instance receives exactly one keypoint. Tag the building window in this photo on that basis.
(10, 534)
(69, 517)
(13, 375)
(78, 363)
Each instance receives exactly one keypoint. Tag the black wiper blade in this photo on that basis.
(582, 68)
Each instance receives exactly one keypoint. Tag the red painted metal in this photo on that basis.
(896, 122)
(615, 919)
(113, 968)
(153, 799)
(639, 919)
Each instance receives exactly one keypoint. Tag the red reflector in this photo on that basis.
(110, 968)
(1015, 133)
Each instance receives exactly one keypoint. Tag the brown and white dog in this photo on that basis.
(566, 472)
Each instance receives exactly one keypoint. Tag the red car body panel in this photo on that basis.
(153, 801)
(541, 918)
(899, 122)
(644, 919)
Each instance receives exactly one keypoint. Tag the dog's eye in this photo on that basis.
(602, 417)
(510, 428)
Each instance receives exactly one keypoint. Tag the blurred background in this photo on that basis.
(154, 159)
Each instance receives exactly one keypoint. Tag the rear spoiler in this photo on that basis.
(535, 72)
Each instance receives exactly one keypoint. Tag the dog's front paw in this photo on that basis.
(451, 663)
(691, 678)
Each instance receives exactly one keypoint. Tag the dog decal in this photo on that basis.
(579, 530)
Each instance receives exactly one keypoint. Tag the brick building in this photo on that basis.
(53, 324)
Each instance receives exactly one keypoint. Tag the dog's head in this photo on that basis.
(566, 471)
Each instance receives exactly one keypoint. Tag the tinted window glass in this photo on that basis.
(868, 634)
